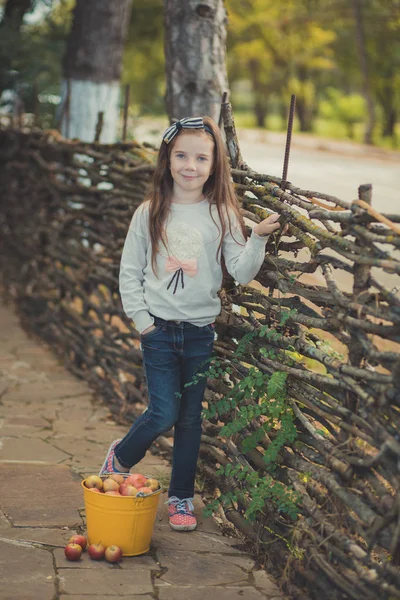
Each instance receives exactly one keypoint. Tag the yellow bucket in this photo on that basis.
(125, 521)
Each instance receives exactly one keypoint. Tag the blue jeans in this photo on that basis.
(172, 354)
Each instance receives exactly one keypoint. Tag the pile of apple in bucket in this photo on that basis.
(135, 486)
(120, 485)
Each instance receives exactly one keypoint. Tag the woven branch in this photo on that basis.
(63, 219)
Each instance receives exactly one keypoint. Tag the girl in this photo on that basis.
(170, 276)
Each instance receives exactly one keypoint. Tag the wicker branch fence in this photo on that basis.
(64, 211)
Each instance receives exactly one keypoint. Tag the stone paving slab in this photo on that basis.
(54, 537)
(20, 421)
(30, 450)
(84, 448)
(185, 568)
(46, 390)
(105, 580)
(209, 593)
(47, 410)
(263, 582)
(24, 426)
(26, 573)
(40, 495)
(5, 524)
(106, 596)
(38, 391)
(196, 541)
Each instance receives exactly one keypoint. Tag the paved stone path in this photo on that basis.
(53, 434)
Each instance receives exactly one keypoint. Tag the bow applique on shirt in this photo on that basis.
(178, 268)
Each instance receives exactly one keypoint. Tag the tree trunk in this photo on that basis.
(14, 12)
(303, 115)
(92, 69)
(362, 51)
(13, 16)
(389, 124)
(260, 112)
(387, 100)
(260, 92)
(195, 53)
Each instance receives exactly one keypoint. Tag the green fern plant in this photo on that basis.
(260, 399)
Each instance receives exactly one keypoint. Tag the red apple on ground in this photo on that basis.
(109, 485)
(78, 539)
(96, 551)
(113, 554)
(136, 479)
(129, 490)
(73, 551)
(94, 481)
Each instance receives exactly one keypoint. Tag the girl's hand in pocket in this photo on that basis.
(148, 329)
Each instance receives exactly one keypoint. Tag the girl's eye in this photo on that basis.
(180, 155)
(202, 158)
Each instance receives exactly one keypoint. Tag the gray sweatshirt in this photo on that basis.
(189, 275)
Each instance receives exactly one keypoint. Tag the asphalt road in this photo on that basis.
(336, 168)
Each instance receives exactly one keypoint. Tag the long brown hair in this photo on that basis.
(218, 189)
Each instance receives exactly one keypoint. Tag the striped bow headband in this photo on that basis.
(185, 123)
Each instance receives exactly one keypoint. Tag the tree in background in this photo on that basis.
(14, 12)
(367, 54)
(306, 47)
(378, 26)
(195, 53)
(282, 50)
(30, 55)
(144, 62)
(92, 69)
(365, 70)
(10, 34)
(346, 109)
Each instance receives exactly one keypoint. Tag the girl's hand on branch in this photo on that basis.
(269, 225)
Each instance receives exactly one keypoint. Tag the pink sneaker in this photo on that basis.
(108, 464)
(180, 513)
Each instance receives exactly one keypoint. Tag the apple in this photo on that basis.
(145, 490)
(118, 478)
(136, 479)
(109, 485)
(152, 484)
(96, 551)
(78, 539)
(129, 490)
(94, 481)
(73, 551)
(95, 490)
(112, 493)
(113, 554)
